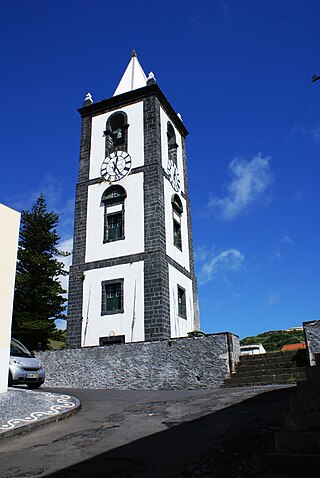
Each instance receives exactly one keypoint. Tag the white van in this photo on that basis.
(253, 349)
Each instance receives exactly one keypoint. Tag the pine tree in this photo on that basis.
(38, 299)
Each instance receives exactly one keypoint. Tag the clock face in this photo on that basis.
(173, 175)
(116, 166)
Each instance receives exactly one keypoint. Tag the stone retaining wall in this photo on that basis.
(312, 334)
(186, 363)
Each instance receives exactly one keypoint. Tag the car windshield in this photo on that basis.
(19, 350)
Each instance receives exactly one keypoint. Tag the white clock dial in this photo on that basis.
(173, 175)
(116, 166)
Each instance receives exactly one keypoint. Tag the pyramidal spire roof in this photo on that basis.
(133, 78)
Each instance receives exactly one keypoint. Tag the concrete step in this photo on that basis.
(301, 421)
(294, 465)
(308, 388)
(313, 374)
(308, 403)
(231, 384)
(298, 373)
(269, 354)
(297, 357)
(277, 475)
(266, 358)
(306, 442)
(262, 379)
(272, 364)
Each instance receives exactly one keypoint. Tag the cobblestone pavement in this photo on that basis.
(121, 434)
(22, 409)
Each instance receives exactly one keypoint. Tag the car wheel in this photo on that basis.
(34, 385)
(10, 380)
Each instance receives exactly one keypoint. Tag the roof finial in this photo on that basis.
(133, 54)
(151, 80)
(88, 100)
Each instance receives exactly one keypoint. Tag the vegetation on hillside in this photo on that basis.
(58, 340)
(275, 339)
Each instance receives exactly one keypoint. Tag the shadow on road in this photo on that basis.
(231, 442)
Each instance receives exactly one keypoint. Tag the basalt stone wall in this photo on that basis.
(312, 334)
(187, 363)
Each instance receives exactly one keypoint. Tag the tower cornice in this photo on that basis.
(133, 97)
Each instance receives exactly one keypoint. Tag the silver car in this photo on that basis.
(24, 368)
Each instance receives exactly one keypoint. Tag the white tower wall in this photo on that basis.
(133, 242)
(129, 323)
(135, 137)
(180, 326)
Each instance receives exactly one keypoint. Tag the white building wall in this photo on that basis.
(179, 326)
(133, 221)
(180, 256)
(164, 118)
(9, 226)
(135, 138)
(131, 322)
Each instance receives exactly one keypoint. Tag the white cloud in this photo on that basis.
(52, 190)
(224, 8)
(299, 129)
(251, 179)
(66, 246)
(201, 253)
(273, 299)
(61, 324)
(315, 132)
(281, 246)
(230, 260)
(307, 131)
(286, 239)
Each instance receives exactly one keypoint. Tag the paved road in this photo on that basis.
(138, 433)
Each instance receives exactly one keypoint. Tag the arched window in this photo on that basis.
(113, 200)
(172, 143)
(116, 132)
(177, 211)
(182, 306)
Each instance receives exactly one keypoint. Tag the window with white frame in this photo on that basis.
(182, 308)
(113, 200)
(112, 297)
(177, 211)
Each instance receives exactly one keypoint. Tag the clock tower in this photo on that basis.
(132, 277)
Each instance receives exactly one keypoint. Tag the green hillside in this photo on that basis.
(58, 340)
(275, 339)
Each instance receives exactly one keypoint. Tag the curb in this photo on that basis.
(57, 407)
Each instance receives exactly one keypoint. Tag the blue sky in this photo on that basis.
(239, 72)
